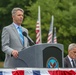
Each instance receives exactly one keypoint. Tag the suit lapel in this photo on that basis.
(16, 32)
(69, 62)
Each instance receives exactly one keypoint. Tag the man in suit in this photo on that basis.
(70, 59)
(13, 40)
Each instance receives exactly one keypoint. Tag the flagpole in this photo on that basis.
(50, 34)
(38, 28)
(39, 16)
(55, 38)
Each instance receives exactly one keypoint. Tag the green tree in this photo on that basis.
(64, 20)
(5, 14)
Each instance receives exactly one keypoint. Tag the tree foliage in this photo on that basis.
(64, 18)
(5, 14)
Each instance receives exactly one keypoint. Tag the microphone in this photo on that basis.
(29, 39)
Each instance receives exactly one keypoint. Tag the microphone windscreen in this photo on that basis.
(24, 33)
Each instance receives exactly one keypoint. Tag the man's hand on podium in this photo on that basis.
(15, 53)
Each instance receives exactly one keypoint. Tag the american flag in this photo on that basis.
(50, 34)
(38, 28)
(55, 38)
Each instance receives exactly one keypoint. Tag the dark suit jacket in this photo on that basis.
(67, 63)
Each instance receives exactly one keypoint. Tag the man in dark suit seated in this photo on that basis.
(70, 59)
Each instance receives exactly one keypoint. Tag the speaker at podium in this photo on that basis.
(40, 56)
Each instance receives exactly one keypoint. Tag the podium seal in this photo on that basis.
(52, 62)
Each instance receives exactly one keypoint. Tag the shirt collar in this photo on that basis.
(16, 25)
(69, 58)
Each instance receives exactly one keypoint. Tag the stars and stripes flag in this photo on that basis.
(38, 28)
(55, 38)
(50, 34)
(38, 72)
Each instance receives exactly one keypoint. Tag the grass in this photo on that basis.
(1, 64)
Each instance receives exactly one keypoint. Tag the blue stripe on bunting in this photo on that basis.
(36, 72)
(1, 73)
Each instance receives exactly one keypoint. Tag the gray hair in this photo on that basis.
(71, 46)
(16, 9)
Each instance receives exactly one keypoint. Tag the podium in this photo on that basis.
(40, 56)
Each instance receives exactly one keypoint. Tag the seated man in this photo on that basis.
(70, 59)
